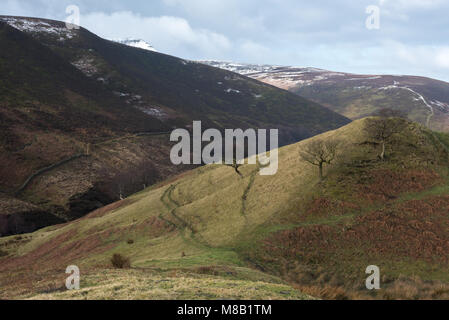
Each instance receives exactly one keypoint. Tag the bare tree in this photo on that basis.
(235, 163)
(320, 153)
(88, 148)
(119, 183)
(146, 173)
(236, 166)
(382, 130)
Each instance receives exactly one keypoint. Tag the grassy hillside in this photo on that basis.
(64, 93)
(218, 229)
(419, 99)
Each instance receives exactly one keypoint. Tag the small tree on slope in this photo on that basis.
(381, 130)
(320, 153)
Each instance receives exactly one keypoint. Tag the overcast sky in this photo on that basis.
(413, 37)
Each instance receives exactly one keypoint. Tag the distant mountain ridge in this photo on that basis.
(153, 83)
(356, 96)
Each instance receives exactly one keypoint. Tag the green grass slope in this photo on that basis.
(216, 227)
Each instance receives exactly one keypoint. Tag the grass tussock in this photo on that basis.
(120, 262)
(210, 270)
(403, 288)
(3, 253)
(326, 292)
(140, 285)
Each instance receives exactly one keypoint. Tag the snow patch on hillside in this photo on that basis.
(154, 112)
(258, 69)
(281, 76)
(87, 66)
(368, 78)
(243, 69)
(441, 106)
(136, 43)
(390, 87)
(40, 26)
(232, 91)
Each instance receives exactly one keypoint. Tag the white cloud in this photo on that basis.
(425, 55)
(201, 7)
(168, 34)
(253, 51)
(442, 57)
(412, 4)
(13, 8)
(413, 59)
(328, 34)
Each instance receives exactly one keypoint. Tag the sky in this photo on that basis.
(405, 37)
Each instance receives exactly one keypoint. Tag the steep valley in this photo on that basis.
(80, 115)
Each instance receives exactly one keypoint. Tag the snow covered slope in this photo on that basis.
(36, 26)
(137, 43)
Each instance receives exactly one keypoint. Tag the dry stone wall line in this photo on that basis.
(77, 156)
